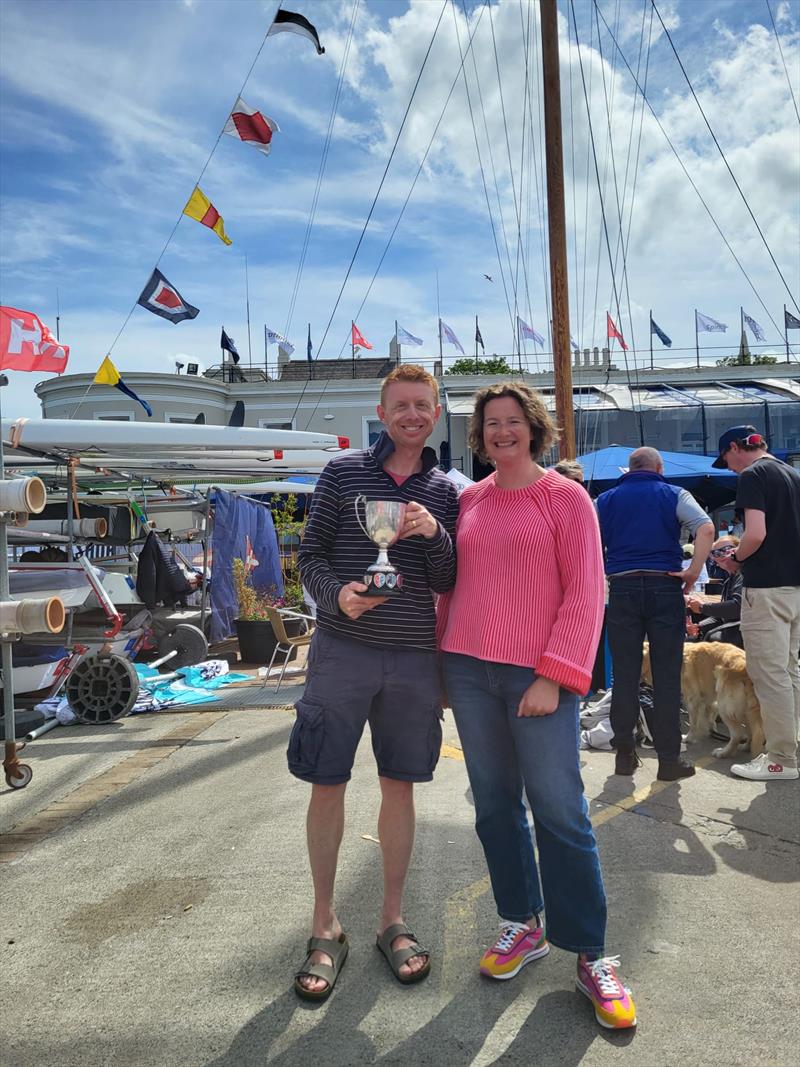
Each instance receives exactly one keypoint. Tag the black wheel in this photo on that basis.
(102, 688)
(21, 777)
(188, 641)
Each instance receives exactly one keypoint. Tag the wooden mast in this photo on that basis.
(562, 354)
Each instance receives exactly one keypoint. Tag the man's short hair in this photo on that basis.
(410, 372)
(570, 468)
(645, 459)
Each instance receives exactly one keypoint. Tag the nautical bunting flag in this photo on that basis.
(406, 338)
(164, 299)
(274, 338)
(226, 343)
(755, 329)
(290, 22)
(654, 329)
(108, 374)
(790, 321)
(358, 339)
(309, 346)
(528, 331)
(446, 334)
(707, 324)
(27, 344)
(612, 331)
(250, 126)
(199, 207)
(478, 338)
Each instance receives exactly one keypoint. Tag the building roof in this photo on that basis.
(297, 370)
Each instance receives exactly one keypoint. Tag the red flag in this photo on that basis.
(27, 344)
(612, 331)
(251, 126)
(358, 340)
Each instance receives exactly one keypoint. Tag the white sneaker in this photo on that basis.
(764, 769)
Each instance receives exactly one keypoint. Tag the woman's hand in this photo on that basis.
(541, 698)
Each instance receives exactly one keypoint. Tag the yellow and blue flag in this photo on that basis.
(108, 374)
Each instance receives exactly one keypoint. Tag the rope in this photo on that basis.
(785, 71)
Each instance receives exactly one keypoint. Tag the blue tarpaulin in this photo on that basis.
(242, 530)
(602, 470)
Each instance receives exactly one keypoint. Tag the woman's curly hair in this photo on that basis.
(544, 431)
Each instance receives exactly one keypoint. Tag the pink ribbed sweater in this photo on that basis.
(530, 588)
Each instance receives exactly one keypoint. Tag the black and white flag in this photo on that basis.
(291, 22)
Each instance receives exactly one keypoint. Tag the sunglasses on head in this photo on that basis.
(725, 550)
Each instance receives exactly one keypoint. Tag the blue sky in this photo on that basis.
(109, 111)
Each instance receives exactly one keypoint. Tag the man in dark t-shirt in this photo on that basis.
(769, 495)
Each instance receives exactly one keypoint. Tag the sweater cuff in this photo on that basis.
(568, 675)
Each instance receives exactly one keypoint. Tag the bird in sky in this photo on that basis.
(488, 278)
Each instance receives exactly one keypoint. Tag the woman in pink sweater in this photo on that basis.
(518, 634)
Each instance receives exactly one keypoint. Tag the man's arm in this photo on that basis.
(755, 530)
(440, 554)
(319, 537)
(690, 515)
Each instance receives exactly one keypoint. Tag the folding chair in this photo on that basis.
(283, 642)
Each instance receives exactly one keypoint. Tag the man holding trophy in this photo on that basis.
(373, 658)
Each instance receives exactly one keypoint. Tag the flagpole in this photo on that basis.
(741, 318)
(441, 358)
(557, 227)
(247, 301)
(352, 346)
(58, 316)
(785, 333)
(439, 317)
(396, 342)
(696, 339)
(651, 338)
(222, 350)
(266, 354)
(477, 364)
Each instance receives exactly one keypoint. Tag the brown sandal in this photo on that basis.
(396, 957)
(328, 972)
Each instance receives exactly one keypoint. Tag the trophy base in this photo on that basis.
(383, 583)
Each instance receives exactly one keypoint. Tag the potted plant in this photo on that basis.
(253, 626)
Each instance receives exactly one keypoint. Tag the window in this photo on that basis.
(373, 428)
(119, 417)
(188, 419)
(266, 424)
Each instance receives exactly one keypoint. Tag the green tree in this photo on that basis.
(495, 365)
(746, 360)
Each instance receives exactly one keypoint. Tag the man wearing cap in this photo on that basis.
(641, 520)
(769, 553)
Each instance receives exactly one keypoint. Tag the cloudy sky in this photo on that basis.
(110, 110)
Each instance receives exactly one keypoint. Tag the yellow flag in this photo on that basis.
(107, 373)
(199, 207)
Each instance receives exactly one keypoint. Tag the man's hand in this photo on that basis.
(352, 605)
(692, 629)
(418, 522)
(688, 577)
(541, 698)
(694, 604)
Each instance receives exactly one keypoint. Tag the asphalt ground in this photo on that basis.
(154, 905)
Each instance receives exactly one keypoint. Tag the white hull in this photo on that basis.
(105, 438)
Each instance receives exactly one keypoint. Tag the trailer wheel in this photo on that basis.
(188, 641)
(24, 773)
(102, 688)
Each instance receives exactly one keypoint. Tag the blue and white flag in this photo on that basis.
(447, 334)
(406, 338)
(655, 329)
(574, 344)
(274, 338)
(755, 329)
(790, 321)
(528, 331)
(705, 322)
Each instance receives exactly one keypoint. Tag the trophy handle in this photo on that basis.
(359, 500)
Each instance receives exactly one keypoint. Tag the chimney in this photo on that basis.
(606, 357)
(587, 357)
(576, 358)
(283, 358)
(596, 358)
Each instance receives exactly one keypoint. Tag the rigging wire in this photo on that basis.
(691, 180)
(321, 172)
(785, 71)
(724, 157)
(374, 201)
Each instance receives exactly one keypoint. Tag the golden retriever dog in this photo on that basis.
(714, 681)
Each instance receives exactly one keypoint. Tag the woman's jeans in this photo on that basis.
(503, 754)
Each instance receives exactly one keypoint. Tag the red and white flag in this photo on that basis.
(250, 126)
(27, 344)
(359, 341)
(612, 331)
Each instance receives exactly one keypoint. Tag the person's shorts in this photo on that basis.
(395, 690)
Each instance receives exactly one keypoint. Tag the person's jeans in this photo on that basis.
(653, 607)
(503, 754)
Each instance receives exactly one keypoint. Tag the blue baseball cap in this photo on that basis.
(748, 435)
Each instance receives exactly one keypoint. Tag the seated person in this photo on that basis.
(702, 578)
(719, 620)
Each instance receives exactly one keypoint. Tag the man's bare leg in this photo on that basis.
(396, 833)
(324, 829)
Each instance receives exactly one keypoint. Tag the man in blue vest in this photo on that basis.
(641, 520)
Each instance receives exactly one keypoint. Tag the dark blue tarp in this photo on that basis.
(602, 470)
(236, 520)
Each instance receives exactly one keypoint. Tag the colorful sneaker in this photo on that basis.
(517, 945)
(764, 769)
(613, 1004)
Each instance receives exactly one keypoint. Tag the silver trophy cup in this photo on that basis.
(383, 520)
